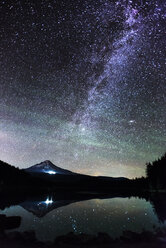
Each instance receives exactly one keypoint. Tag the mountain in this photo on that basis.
(49, 168)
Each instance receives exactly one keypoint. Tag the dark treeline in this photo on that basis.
(11, 176)
(14, 179)
(156, 174)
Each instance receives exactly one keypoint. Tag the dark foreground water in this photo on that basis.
(49, 218)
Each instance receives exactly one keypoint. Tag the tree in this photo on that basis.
(156, 173)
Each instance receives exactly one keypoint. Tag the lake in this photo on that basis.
(50, 218)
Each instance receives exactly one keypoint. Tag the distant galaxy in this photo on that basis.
(82, 83)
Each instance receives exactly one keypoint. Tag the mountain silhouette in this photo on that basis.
(48, 167)
(47, 177)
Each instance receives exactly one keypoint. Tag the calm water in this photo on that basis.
(50, 218)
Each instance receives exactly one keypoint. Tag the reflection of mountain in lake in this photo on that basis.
(41, 208)
(40, 205)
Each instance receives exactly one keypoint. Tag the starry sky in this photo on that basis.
(82, 83)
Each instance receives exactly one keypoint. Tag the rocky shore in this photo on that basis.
(127, 240)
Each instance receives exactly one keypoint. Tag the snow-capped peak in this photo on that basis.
(48, 167)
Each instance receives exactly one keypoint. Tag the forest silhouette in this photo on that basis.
(156, 173)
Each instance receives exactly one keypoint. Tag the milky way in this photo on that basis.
(82, 83)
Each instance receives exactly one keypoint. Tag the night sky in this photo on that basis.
(82, 83)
